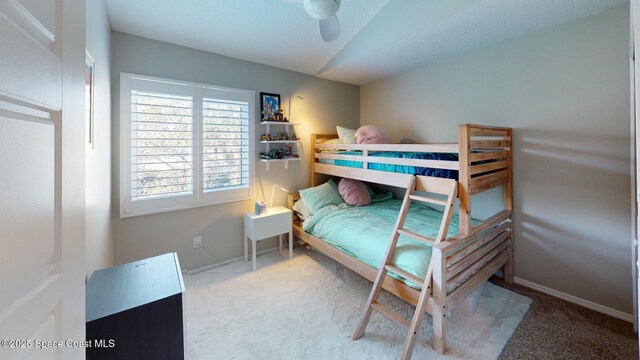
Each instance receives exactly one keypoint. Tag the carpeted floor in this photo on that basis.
(556, 329)
(308, 307)
(550, 329)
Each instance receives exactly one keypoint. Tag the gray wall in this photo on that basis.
(99, 223)
(326, 104)
(565, 91)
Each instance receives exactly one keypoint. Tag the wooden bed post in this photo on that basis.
(312, 151)
(439, 296)
(508, 205)
(464, 177)
(508, 187)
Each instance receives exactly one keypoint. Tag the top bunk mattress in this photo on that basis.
(365, 232)
(412, 170)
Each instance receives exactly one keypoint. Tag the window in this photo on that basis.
(183, 145)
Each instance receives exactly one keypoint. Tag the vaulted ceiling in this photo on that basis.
(378, 37)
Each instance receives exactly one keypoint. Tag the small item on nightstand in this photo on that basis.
(261, 207)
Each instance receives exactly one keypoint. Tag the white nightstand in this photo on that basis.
(277, 221)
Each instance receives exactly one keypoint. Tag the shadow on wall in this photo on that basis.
(572, 213)
(572, 248)
(579, 151)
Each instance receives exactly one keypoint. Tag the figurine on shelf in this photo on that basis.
(273, 154)
(267, 114)
(281, 136)
(279, 115)
(286, 150)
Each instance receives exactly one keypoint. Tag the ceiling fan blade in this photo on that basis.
(329, 29)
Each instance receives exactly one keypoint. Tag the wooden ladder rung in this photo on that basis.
(428, 200)
(414, 279)
(418, 237)
(384, 311)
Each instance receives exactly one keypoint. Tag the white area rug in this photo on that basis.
(308, 308)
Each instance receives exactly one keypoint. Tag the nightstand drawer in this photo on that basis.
(267, 225)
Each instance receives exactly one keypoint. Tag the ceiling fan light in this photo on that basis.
(321, 9)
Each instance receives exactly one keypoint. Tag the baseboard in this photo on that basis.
(575, 300)
(241, 258)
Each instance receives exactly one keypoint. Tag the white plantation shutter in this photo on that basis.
(184, 145)
(225, 144)
(161, 144)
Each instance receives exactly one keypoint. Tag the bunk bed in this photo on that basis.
(459, 263)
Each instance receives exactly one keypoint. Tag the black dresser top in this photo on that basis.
(130, 285)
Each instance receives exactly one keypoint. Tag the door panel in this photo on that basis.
(42, 10)
(41, 243)
(31, 60)
(27, 212)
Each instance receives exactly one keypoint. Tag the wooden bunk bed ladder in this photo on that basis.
(446, 187)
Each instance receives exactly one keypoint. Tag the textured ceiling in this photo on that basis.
(379, 37)
(271, 32)
(480, 24)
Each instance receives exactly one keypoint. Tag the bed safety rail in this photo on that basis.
(471, 259)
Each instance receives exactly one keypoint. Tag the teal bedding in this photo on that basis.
(365, 232)
(413, 170)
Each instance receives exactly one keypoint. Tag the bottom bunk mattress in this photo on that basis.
(365, 232)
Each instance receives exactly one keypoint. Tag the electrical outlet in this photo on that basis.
(197, 241)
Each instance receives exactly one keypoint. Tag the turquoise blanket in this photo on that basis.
(413, 170)
(365, 232)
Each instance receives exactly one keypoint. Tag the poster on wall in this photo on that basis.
(269, 106)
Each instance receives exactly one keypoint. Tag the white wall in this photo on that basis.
(326, 104)
(565, 91)
(99, 224)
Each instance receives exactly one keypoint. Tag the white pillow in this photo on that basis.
(331, 142)
(301, 209)
(346, 135)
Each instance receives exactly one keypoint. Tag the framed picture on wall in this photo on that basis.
(269, 105)
(89, 75)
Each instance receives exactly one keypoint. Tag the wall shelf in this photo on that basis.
(286, 125)
(285, 160)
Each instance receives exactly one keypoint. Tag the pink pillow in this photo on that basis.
(371, 134)
(354, 192)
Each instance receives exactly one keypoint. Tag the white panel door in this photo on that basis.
(41, 224)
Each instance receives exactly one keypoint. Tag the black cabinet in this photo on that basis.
(136, 311)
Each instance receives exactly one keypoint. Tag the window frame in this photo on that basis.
(199, 197)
